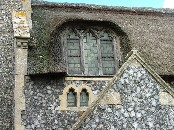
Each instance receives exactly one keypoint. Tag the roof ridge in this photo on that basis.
(134, 54)
(104, 7)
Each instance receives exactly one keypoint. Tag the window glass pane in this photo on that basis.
(107, 54)
(86, 61)
(71, 98)
(73, 53)
(84, 98)
(90, 54)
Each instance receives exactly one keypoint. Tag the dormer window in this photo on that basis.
(90, 52)
(88, 48)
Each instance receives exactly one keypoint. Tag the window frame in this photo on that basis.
(64, 102)
(115, 43)
(74, 96)
(86, 95)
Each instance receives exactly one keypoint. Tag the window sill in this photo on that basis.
(73, 108)
(88, 78)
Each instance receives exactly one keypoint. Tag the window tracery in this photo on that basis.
(90, 52)
(76, 98)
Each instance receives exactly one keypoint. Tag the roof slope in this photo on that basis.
(134, 58)
(150, 31)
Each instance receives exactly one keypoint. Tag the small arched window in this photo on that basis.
(76, 98)
(71, 98)
(84, 97)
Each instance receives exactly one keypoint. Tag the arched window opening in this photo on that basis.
(71, 98)
(107, 54)
(73, 53)
(76, 98)
(84, 97)
(91, 52)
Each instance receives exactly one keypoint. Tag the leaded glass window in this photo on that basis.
(71, 98)
(107, 54)
(74, 56)
(84, 98)
(91, 52)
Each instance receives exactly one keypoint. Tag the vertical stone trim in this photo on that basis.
(22, 22)
(26, 4)
(22, 25)
(21, 53)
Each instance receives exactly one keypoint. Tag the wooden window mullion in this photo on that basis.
(115, 53)
(82, 55)
(99, 57)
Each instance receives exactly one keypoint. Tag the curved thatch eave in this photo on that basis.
(57, 64)
(46, 62)
(114, 9)
(149, 30)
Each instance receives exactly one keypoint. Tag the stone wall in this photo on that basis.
(7, 63)
(42, 102)
(41, 95)
(141, 105)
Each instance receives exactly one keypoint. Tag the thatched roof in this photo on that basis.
(149, 30)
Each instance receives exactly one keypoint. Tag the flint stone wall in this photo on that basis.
(140, 109)
(42, 101)
(7, 63)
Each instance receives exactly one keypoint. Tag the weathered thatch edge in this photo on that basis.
(52, 66)
(144, 30)
(134, 55)
(93, 7)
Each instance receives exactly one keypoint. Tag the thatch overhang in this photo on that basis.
(149, 30)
